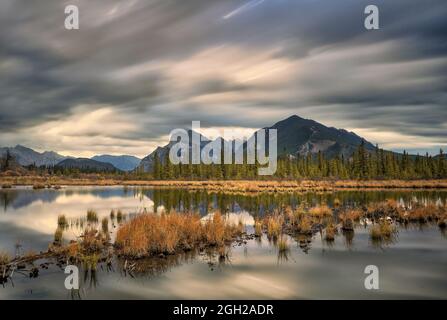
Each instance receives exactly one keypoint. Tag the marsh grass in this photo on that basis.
(5, 258)
(119, 216)
(37, 186)
(105, 225)
(330, 232)
(151, 234)
(305, 225)
(258, 228)
(62, 221)
(383, 230)
(274, 226)
(349, 217)
(337, 203)
(283, 244)
(320, 211)
(58, 236)
(92, 216)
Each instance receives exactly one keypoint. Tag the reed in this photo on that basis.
(283, 244)
(274, 226)
(58, 236)
(320, 211)
(92, 216)
(105, 225)
(5, 258)
(150, 234)
(258, 228)
(348, 218)
(119, 216)
(305, 226)
(62, 221)
(330, 232)
(382, 230)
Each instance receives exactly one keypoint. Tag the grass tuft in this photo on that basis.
(283, 244)
(5, 258)
(62, 221)
(330, 233)
(92, 216)
(150, 234)
(320, 211)
(274, 226)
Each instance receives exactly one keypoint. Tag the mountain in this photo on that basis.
(296, 136)
(147, 162)
(26, 156)
(86, 164)
(124, 163)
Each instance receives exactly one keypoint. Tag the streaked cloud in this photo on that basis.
(247, 6)
(137, 69)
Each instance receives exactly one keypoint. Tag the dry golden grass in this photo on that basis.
(5, 258)
(150, 234)
(305, 226)
(243, 186)
(283, 244)
(258, 228)
(320, 211)
(274, 226)
(382, 230)
(349, 217)
(298, 214)
(330, 232)
(92, 240)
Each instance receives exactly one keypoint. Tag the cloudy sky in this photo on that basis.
(138, 68)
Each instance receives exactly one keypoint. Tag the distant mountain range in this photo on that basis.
(124, 163)
(26, 156)
(296, 136)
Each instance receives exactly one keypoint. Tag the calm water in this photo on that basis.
(414, 266)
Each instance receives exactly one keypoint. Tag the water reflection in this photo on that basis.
(258, 268)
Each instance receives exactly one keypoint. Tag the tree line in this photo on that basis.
(363, 164)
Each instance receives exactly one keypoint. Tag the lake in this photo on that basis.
(412, 266)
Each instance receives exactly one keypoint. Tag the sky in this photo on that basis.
(137, 69)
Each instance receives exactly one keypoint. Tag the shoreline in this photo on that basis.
(249, 186)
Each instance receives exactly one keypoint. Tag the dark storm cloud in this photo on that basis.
(163, 63)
